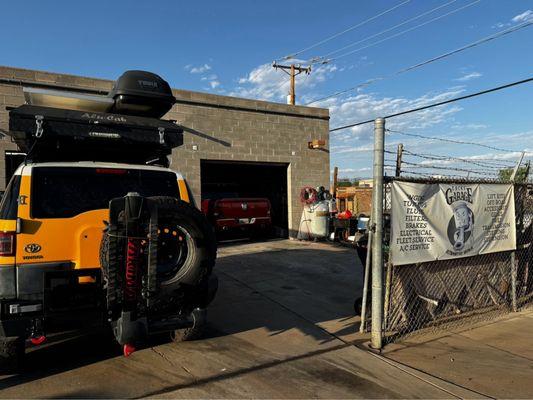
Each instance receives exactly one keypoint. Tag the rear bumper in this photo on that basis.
(243, 223)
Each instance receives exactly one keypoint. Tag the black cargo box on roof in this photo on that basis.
(91, 136)
(141, 93)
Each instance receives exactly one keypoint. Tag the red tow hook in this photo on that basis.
(37, 340)
(128, 349)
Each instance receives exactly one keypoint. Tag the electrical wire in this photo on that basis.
(440, 103)
(359, 24)
(386, 30)
(429, 61)
(400, 33)
(468, 46)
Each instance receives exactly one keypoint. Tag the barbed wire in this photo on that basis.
(429, 175)
(455, 141)
(442, 168)
(438, 157)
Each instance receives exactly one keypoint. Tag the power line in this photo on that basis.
(429, 61)
(388, 30)
(359, 24)
(402, 32)
(468, 46)
(440, 103)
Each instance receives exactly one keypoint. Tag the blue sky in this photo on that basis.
(227, 47)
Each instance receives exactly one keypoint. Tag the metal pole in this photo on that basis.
(514, 271)
(399, 160)
(513, 281)
(517, 166)
(367, 274)
(377, 245)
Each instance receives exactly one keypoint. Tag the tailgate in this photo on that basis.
(243, 207)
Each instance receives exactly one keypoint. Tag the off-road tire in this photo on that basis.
(203, 245)
(202, 252)
(194, 332)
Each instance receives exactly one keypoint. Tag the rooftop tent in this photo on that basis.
(52, 134)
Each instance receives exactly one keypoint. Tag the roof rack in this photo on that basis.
(124, 126)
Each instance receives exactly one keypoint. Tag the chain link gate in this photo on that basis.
(439, 295)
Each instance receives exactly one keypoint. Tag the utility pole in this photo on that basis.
(292, 70)
(333, 188)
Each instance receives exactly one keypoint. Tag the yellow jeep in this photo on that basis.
(96, 242)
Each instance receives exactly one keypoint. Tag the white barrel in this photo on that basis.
(320, 219)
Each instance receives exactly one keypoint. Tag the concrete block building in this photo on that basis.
(231, 145)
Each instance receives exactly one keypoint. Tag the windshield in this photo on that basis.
(59, 192)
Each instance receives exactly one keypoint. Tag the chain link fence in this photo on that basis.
(439, 295)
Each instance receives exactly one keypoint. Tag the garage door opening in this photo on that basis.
(249, 180)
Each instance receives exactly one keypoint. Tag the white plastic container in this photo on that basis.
(319, 216)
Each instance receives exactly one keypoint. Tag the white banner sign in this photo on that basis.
(442, 221)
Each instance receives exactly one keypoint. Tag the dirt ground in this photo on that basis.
(281, 326)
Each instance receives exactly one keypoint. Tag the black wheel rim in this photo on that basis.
(172, 250)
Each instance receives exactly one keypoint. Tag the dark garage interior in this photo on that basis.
(249, 179)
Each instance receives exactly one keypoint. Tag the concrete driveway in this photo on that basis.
(282, 326)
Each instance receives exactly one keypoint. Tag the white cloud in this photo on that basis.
(469, 126)
(214, 84)
(199, 69)
(210, 77)
(469, 76)
(525, 16)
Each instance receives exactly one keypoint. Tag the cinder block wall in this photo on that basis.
(221, 128)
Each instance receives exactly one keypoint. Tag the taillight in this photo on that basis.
(111, 171)
(7, 244)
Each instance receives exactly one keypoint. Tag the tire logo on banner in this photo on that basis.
(460, 226)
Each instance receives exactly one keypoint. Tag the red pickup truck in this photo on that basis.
(229, 213)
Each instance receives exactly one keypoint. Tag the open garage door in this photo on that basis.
(249, 180)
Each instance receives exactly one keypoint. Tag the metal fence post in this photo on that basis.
(362, 327)
(377, 245)
(514, 271)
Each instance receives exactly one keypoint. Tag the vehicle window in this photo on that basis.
(65, 192)
(9, 204)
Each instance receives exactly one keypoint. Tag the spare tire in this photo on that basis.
(187, 245)
(186, 248)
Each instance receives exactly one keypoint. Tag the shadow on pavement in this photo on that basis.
(307, 289)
